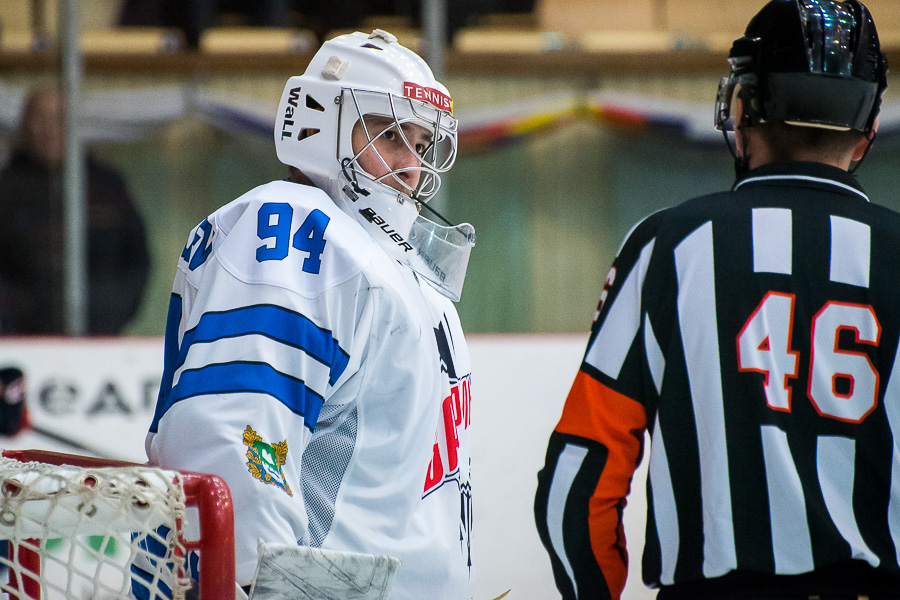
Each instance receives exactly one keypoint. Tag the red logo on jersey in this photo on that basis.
(436, 98)
(457, 416)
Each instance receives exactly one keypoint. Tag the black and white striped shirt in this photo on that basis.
(754, 334)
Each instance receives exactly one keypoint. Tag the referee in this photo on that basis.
(754, 334)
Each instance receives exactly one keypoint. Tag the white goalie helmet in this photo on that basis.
(355, 76)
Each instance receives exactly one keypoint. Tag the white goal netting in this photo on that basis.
(75, 532)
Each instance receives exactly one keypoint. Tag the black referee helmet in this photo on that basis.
(814, 63)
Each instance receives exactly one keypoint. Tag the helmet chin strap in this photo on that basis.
(741, 163)
(871, 138)
(350, 175)
(438, 215)
(741, 166)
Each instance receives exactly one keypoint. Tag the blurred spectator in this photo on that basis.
(31, 232)
(14, 416)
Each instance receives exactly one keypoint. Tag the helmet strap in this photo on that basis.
(438, 215)
(350, 175)
(871, 137)
(741, 163)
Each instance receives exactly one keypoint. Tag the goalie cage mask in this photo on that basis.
(354, 77)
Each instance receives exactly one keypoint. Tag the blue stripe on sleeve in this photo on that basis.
(170, 357)
(279, 324)
(249, 377)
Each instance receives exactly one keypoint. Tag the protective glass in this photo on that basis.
(409, 126)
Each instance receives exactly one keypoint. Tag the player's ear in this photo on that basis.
(739, 142)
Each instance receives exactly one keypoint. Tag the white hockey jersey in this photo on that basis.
(326, 383)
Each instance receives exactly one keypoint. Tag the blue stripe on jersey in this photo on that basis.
(249, 377)
(170, 359)
(288, 327)
(279, 324)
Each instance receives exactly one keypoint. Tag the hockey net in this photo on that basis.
(76, 526)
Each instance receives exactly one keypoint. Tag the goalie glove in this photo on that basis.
(303, 573)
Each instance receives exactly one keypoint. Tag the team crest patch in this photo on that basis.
(266, 460)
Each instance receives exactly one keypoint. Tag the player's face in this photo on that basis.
(394, 154)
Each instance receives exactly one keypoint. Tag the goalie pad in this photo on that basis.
(302, 573)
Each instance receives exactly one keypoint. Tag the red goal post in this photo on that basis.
(67, 496)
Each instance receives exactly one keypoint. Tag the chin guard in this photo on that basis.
(442, 254)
